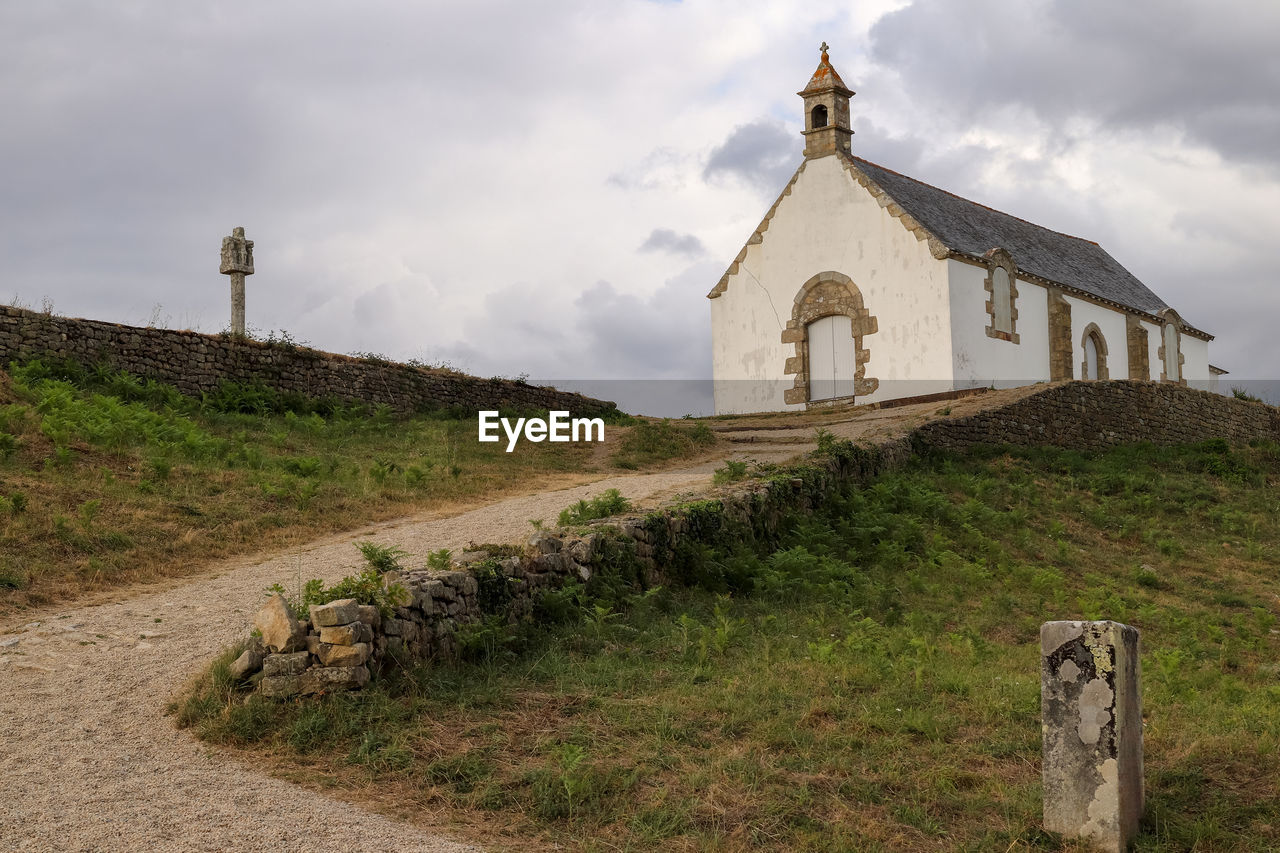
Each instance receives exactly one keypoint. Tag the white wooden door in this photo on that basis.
(832, 359)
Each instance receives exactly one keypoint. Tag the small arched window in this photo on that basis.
(819, 117)
(1001, 286)
(1090, 358)
(1171, 353)
(1001, 301)
(1094, 347)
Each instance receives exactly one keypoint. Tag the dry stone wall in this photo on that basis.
(341, 643)
(1096, 415)
(195, 363)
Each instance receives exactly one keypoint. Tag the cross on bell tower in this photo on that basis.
(826, 111)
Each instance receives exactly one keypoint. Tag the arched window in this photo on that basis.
(819, 117)
(1094, 347)
(1001, 301)
(1001, 286)
(1171, 371)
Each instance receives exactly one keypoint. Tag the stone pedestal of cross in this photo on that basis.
(237, 262)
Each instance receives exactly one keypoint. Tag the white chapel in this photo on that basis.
(862, 284)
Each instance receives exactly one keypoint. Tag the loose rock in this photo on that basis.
(280, 629)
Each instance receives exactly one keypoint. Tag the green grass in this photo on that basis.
(649, 442)
(871, 684)
(107, 479)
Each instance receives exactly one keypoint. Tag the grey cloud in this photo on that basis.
(136, 137)
(666, 240)
(763, 154)
(606, 333)
(1203, 67)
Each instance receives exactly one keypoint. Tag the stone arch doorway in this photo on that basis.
(828, 323)
(1094, 348)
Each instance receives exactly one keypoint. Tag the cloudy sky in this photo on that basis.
(550, 188)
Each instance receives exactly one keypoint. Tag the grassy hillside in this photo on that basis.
(870, 685)
(106, 479)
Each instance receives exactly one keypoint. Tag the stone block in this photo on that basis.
(1091, 720)
(327, 678)
(249, 662)
(346, 635)
(584, 550)
(370, 615)
(285, 664)
(353, 655)
(280, 629)
(341, 612)
(545, 543)
(280, 686)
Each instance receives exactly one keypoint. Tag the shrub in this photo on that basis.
(1242, 394)
(732, 471)
(367, 587)
(609, 503)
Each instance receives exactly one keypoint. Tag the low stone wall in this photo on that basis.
(194, 363)
(1096, 415)
(340, 643)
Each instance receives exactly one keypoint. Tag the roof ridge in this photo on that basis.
(975, 203)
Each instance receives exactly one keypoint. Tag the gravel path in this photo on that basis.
(89, 760)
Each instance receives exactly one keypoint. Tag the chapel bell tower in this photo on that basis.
(826, 111)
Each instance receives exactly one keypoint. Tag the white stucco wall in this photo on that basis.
(982, 361)
(830, 223)
(1110, 323)
(1195, 366)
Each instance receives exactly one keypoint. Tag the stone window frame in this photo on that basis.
(999, 258)
(1171, 318)
(1100, 343)
(827, 294)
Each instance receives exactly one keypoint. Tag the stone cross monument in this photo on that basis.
(237, 262)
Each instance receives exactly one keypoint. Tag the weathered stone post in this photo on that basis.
(237, 262)
(1091, 714)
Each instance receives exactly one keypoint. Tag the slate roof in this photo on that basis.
(968, 227)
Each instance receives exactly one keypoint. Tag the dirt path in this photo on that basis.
(89, 760)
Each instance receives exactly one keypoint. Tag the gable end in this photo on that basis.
(757, 236)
